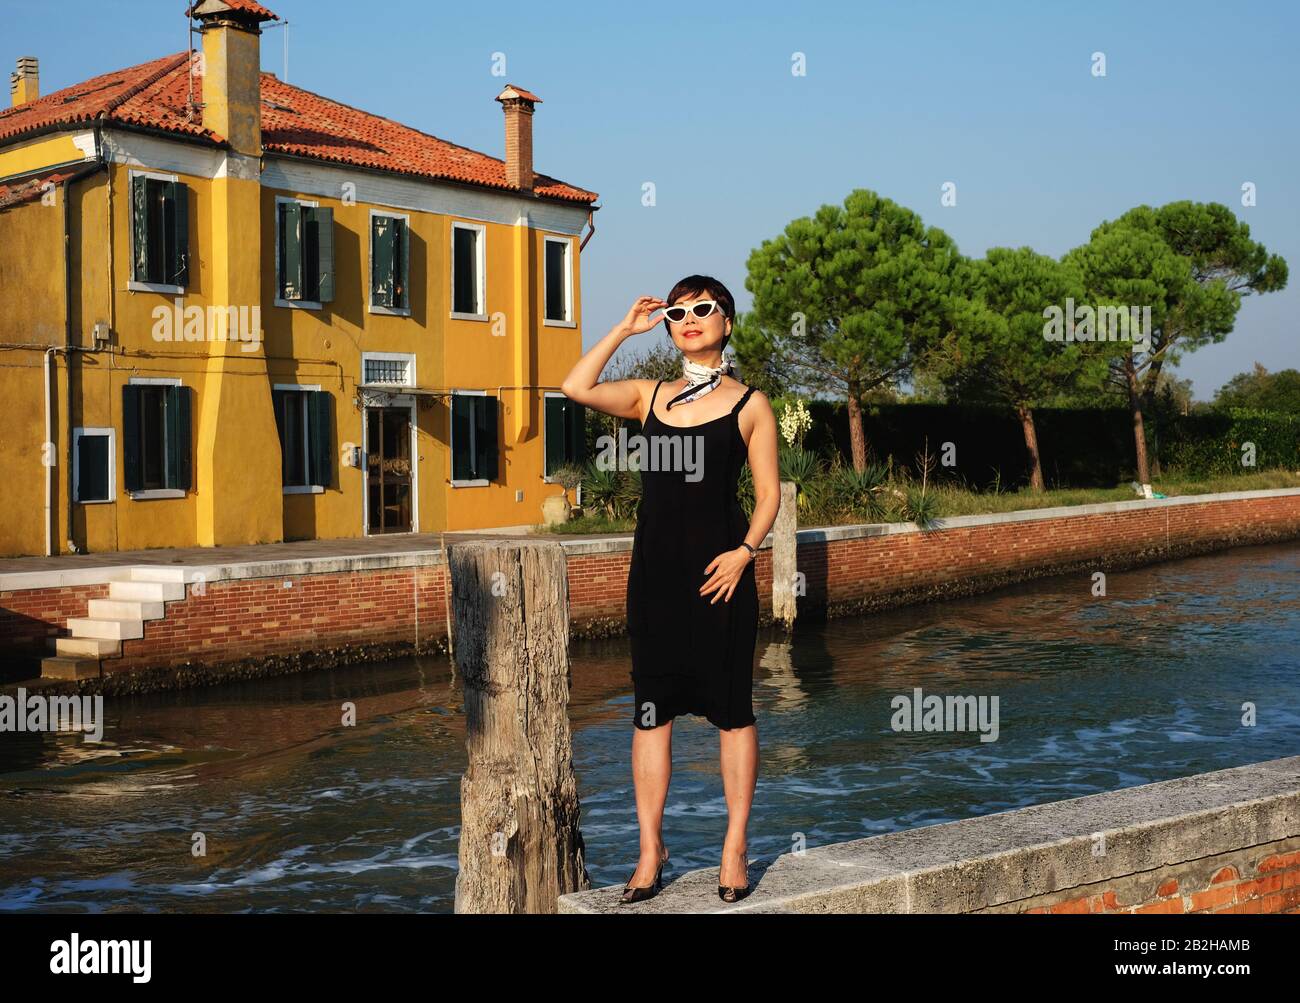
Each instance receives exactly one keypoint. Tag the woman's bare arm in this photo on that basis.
(765, 469)
(621, 398)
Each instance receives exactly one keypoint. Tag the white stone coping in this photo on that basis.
(614, 543)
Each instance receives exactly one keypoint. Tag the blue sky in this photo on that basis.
(699, 99)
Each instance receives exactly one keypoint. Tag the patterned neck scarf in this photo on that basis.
(700, 380)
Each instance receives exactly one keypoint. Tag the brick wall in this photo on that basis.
(387, 609)
(1261, 879)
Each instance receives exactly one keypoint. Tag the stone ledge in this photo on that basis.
(1005, 857)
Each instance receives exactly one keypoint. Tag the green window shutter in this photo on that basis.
(277, 405)
(140, 228)
(177, 205)
(176, 414)
(320, 445)
(290, 278)
(324, 227)
(576, 415)
(403, 291)
(158, 231)
(486, 459)
(131, 474)
(555, 438)
(461, 424)
(401, 294)
(383, 251)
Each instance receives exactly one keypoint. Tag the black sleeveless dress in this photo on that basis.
(691, 656)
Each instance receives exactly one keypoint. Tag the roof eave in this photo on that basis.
(431, 179)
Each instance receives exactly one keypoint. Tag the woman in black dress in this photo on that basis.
(692, 601)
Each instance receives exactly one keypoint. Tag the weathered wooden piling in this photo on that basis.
(785, 558)
(520, 842)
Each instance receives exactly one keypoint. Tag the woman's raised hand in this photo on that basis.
(638, 319)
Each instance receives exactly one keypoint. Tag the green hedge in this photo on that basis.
(1215, 442)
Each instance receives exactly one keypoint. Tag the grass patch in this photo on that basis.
(836, 501)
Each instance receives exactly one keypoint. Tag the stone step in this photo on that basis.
(60, 667)
(105, 627)
(125, 609)
(159, 573)
(85, 647)
(146, 591)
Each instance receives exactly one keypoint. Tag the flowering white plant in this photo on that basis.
(795, 421)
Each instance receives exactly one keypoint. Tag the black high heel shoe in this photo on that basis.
(734, 893)
(639, 893)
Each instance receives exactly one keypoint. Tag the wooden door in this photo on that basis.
(388, 469)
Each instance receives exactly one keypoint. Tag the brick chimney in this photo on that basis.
(232, 68)
(517, 104)
(25, 82)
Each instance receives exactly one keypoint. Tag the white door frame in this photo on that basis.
(393, 400)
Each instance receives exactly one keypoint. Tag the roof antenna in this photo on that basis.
(190, 106)
(285, 26)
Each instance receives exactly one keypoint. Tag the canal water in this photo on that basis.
(298, 812)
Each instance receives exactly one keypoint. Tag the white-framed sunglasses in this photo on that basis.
(702, 309)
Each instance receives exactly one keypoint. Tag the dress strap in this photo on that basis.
(741, 403)
(653, 396)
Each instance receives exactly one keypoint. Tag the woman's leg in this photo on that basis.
(652, 769)
(739, 763)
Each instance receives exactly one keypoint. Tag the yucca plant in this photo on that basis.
(803, 468)
(857, 491)
(600, 490)
(628, 495)
(921, 507)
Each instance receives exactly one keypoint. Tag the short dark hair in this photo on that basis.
(705, 285)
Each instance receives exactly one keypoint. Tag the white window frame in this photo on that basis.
(407, 357)
(77, 435)
(302, 489)
(275, 278)
(132, 284)
(370, 262)
(478, 482)
(569, 320)
(481, 290)
(147, 494)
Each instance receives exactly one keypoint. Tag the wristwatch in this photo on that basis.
(752, 552)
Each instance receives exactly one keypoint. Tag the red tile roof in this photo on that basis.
(156, 96)
(31, 188)
(519, 92)
(242, 6)
(152, 95)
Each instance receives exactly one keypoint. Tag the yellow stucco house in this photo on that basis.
(234, 311)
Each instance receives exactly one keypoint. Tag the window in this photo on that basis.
(156, 439)
(565, 441)
(304, 254)
(388, 368)
(93, 460)
(304, 420)
(159, 233)
(558, 282)
(390, 247)
(473, 438)
(467, 298)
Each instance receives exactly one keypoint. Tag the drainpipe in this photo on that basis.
(67, 341)
(591, 222)
(47, 458)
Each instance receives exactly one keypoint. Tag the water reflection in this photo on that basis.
(299, 813)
